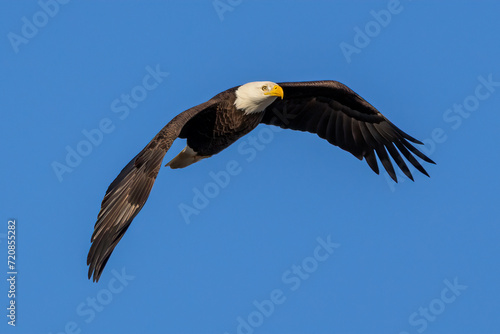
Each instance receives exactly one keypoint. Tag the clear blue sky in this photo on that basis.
(302, 237)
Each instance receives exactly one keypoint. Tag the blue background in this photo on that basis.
(401, 244)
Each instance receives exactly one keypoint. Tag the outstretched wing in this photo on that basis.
(128, 193)
(339, 115)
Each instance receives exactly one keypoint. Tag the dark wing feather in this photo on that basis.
(128, 193)
(339, 115)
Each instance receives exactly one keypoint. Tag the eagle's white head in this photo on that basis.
(257, 96)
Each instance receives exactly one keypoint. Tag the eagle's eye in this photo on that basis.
(264, 88)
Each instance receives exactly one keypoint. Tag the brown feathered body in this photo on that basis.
(218, 126)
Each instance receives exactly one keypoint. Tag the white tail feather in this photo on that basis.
(185, 158)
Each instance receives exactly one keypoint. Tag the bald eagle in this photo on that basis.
(328, 108)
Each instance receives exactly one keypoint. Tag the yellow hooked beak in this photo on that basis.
(275, 91)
